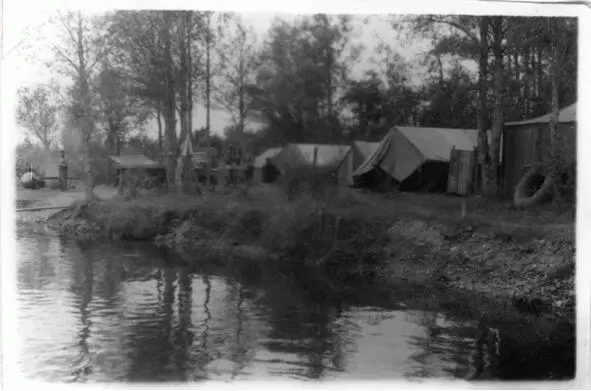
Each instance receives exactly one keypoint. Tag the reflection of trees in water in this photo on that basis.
(34, 268)
(150, 346)
(424, 346)
(111, 279)
(532, 349)
(82, 287)
(322, 341)
(205, 356)
(183, 338)
(342, 340)
(239, 351)
(443, 347)
(309, 332)
(241, 348)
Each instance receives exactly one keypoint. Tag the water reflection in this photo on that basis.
(98, 313)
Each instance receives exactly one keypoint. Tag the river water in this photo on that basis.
(127, 312)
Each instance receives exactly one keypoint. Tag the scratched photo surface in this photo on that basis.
(234, 196)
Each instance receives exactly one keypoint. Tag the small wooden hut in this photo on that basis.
(524, 145)
(140, 165)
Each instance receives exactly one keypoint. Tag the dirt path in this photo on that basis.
(51, 198)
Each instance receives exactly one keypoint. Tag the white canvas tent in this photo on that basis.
(261, 160)
(406, 149)
(299, 155)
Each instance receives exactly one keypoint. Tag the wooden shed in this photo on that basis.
(463, 174)
(137, 163)
(524, 143)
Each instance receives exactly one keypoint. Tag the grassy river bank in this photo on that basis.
(417, 238)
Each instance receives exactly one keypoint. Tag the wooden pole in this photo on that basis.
(42, 208)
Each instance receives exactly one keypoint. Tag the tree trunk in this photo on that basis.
(509, 65)
(518, 80)
(190, 73)
(183, 93)
(241, 107)
(208, 97)
(540, 75)
(526, 89)
(85, 121)
(159, 120)
(497, 128)
(440, 66)
(535, 81)
(554, 166)
(483, 109)
(170, 106)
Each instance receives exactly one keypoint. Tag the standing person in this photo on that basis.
(63, 171)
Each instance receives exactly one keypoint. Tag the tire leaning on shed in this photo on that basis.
(520, 196)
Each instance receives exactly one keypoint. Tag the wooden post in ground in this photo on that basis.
(121, 181)
(63, 172)
(315, 159)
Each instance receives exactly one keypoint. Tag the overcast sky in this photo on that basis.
(24, 20)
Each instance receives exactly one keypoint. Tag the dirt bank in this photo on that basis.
(535, 274)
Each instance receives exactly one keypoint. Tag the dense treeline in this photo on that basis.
(300, 82)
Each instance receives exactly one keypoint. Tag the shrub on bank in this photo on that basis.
(307, 180)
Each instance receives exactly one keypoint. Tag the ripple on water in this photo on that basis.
(93, 314)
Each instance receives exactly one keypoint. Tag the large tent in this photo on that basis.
(416, 155)
(340, 157)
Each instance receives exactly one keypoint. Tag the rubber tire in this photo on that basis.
(520, 198)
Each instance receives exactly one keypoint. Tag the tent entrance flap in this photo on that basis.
(374, 159)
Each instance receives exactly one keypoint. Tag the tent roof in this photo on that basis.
(566, 114)
(134, 161)
(437, 143)
(366, 148)
(187, 146)
(260, 160)
(327, 154)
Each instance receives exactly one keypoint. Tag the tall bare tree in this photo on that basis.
(238, 61)
(208, 37)
(81, 47)
(37, 114)
(170, 98)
